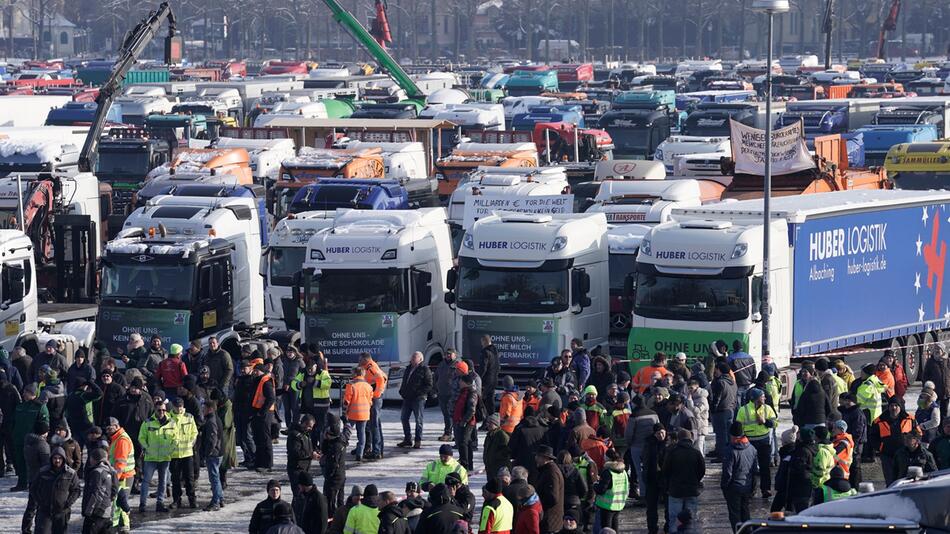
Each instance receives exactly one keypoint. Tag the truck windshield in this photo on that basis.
(921, 180)
(619, 266)
(512, 290)
(690, 298)
(630, 140)
(359, 291)
(9, 219)
(123, 163)
(171, 283)
(284, 263)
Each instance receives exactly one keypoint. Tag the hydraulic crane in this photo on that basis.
(827, 27)
(889, 25)
(386, 61)
(380, 29)
(132, 47)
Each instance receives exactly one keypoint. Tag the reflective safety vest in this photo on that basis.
(840, 383)
(829, 494)
(907, 425)
(773, 387)
(362, 519)
(186, 433)
(511, 411)
(615, 498)
(158, 440)
(122, 455)
(582, 465)
(843, 457)
(748, 416)
(797, 393)
(358, 396)
(320, 389)
(822, 465)
(435, 472)
(258, 401)
(501, 513)
(869, 396)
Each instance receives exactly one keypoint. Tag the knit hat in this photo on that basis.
(790, 435)
(841, 425)
(821, 434)
(52, 344)
(273, 483)
(40, 427)
(137, 383)
(175, 349)
(356, 491)
(755, 393)
(868, 369)
(508, 383)
(662, 392)
(503, 472)
(445, 450)
(462, 366)
(735, 430)
(493, 419)
(493, 487)
(623, 376)
(590, 390)
(304, 479)
(371, 491)
(283, 510)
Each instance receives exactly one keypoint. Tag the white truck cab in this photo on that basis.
(533, 282)
(375, 282)
(644, 201)
(520, 104)
(685, 145)
(138, 102)
(184, 268)
(18, 288)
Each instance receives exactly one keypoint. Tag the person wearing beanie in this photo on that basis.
(36, 449)
(788, 443)
(51, 498)
(159, 440)
(80, 369)
(531, 398)
(498, 514)
(844, 372)
(887, 436)
(830, 382)
(51, 358)
(758, 419)
(85, 393)
(928, 414)
(415, 388)
(836, 487)
(364, 517)
(436, 470)
(594, 411)
(913, 454)
(683, 471)
(171, 372)
(739, 469)
(310, 505)
(511, 408)
(333, 462)
(530, 511)
(723, 402)
(284, 520)
(183, 457)
(937, 371)
(743, 368)
(100, 488)
(843, 444)
(265, 513)
(461, 495)
(856, 426)
(611, 490)
(496, 454)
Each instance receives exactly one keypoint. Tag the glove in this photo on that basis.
(426, 486)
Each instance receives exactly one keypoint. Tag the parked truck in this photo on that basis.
(639, 121)
(311, 164)
(879, 138)
(824, 117)
(834, 260)
(469, 156)
(916, 111)
(532, 83)
(375, 282)
(532, 282)
(330, 194)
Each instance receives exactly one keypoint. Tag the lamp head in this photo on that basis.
(770, 6)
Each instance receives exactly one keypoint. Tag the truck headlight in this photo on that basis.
(389, 254)
(740, 250)
(658, 155)
(559, 244)
(468, 241)
(646, 247)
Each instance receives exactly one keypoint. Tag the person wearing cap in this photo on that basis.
(758, 419)
(679, 366)
(357, 403)
(912, 454)
(461, 495)
(887, 435)
(171, 372)
(50, 357)
(444, 377)
(611, 490)
(264, 515)
(843, 444)
(377, 379)
(498, 514)
(36, 449)
(496, 453)
(182, 459)
(836, 487)
(333, 462)
(529, 511)
(312, 386)
(99, 490)
(436, 470)
(159, 440)
(28, 413)
(683, 470)
(310, 506)
(413, 505)
(415, 388)
(51, 498)
(80, 369)
(364, 517)
(463, 419)
(549, 481)
(80, 404)
(122, 459)
(739, 469)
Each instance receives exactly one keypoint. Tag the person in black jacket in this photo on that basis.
(723, 402)
(813, 407)
(52, 494)
(683, 471)
(442, 515)
(211, 449)
(100, 487)
(529, 433)
(299, 449)
(80, 420)
(9, 398)
(284, 517)
(488, 363)
(652, 459)
(415, 388)
(461, 494)
(112, 393)
(788, 442)
(310, 506)
(739, 470)
(132, 411)
(392, 518)
(263, 516)
(333, 463)
(263, 408)
(575, 487)
(244, 386)
(549, 482)
(798, 486)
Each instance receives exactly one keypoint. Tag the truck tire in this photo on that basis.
(898, 345)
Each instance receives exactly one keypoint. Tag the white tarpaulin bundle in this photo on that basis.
(789, 153)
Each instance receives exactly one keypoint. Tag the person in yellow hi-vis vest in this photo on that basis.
(183, 457)
(498, 514)
(758, 418)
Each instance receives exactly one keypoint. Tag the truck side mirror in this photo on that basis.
(449, 298)
(262, 268)
(580, 281)
(452, 278)
(756, 317)
(629, 290)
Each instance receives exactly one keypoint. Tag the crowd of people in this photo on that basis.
(565, 454)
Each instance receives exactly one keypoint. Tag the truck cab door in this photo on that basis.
(17, 309)
(214, 310)
(420, 306)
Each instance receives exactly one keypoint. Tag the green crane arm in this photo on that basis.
(355, 29)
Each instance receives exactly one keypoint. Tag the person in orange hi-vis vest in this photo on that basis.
(643, 380)
(264, 405)
(884, 374)
(357, 399)
(510, 410)
(376, 378)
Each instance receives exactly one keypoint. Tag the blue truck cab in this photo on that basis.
(76, 113)
(570, 113)
(639, 121)
(328, 195)
(879, 138)
(827, 117)
(531, 83)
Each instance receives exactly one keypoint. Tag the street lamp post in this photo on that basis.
(770, 8)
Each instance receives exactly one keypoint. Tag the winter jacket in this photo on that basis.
(52, 494)
(392, 520)
(221, 368)
(740, 466)
(262, 519)
(12, 372)
(333, 459)
(56, 361)
(72, 452)
(813, 406)
(920, 457)
(311, 512)
(313, 390)
(36, 451)
(463, 413)
(99, 489)
(9, 399)
(80, 409)
(339, 517)
(510, 411)
(111, 395)
(928, 421)
(76, 372)
(643, 380)
(652, 460)
(490, 366)
(575, 486)
(857, 423)
(605, 480)
(825, 461)
(525, 440)
(291, 368)
(444, 374)
(442, 516)
(887, 433)
(940, 449)
(465, 499)
(600, 377)
(684, 469)
(299, 449)
(937, 370)
(26, 415)
(416, 383)
(171, 373)
(212, 437)
(684, 418)
(743, 366)
(435, 471)
(132, 411)
(286, 526)
(565, 380)
(580, 361)
(700, 400)
(723, 394)
(158, 439)
(801, 464)
(496, 453)
(53, 394)
(186, 434)
(548, 481)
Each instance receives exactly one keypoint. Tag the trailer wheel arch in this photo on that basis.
(925, 344)
(30, 343)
